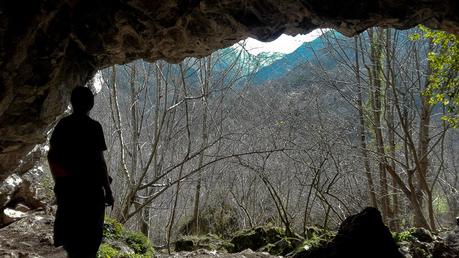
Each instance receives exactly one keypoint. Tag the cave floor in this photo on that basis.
(30, 237)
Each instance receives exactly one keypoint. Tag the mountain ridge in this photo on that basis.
(304, 53)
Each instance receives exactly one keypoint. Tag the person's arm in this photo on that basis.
(102, 167)
(55, 158)
(109, 200)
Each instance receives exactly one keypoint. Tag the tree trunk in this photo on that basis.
(363, 142)
(205, 81)
(376, 89)
(394, 224)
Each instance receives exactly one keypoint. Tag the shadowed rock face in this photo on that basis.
(359, 236)
(48, 47)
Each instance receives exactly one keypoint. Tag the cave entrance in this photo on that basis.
(212, 104)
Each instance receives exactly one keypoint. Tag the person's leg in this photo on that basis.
(64, 214)
(73, 253)
(88, 235)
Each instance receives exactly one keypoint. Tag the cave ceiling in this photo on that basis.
(48, 47)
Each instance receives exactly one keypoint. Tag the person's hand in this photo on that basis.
(109, 200)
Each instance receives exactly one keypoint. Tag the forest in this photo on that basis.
(233, 141)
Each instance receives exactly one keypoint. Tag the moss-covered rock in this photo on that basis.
(119, 242)
(421, 243)
(266, 239)
(282, 247)
(209, 242)
(415, 242)
(185, 244)
(256, 238)
(106, 250)
(265, 249)
(421, 249)
(315, 241)
(112, 228)
(312, 231)
(420, 234)
(423, 235)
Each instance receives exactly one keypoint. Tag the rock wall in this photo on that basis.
(49, 47)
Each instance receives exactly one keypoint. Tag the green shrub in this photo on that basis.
(403, 236)
(115, 232)
(139, 243)
(106, 251)
(112, 228)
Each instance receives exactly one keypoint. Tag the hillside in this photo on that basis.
(309, 52)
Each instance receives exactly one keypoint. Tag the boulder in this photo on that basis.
(405, 249)
(8, 188)
(256, 238)
(186, 245)
(9, 216)
(282, 247)
(23, 191)
(360, 236)
(423, 235)
(447, 245)
(21, 207)
(27, 194)
(421, 249)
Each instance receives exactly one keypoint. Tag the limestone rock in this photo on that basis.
(449, 247)
(9, 216)
(22, 190)
(49, 47)
(21, 207)
(8, 187)
(27, 194)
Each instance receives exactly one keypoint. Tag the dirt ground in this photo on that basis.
(30, 237)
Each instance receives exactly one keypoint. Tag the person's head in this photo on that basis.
(82, 100)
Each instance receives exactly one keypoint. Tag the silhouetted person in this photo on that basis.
(82, 186)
